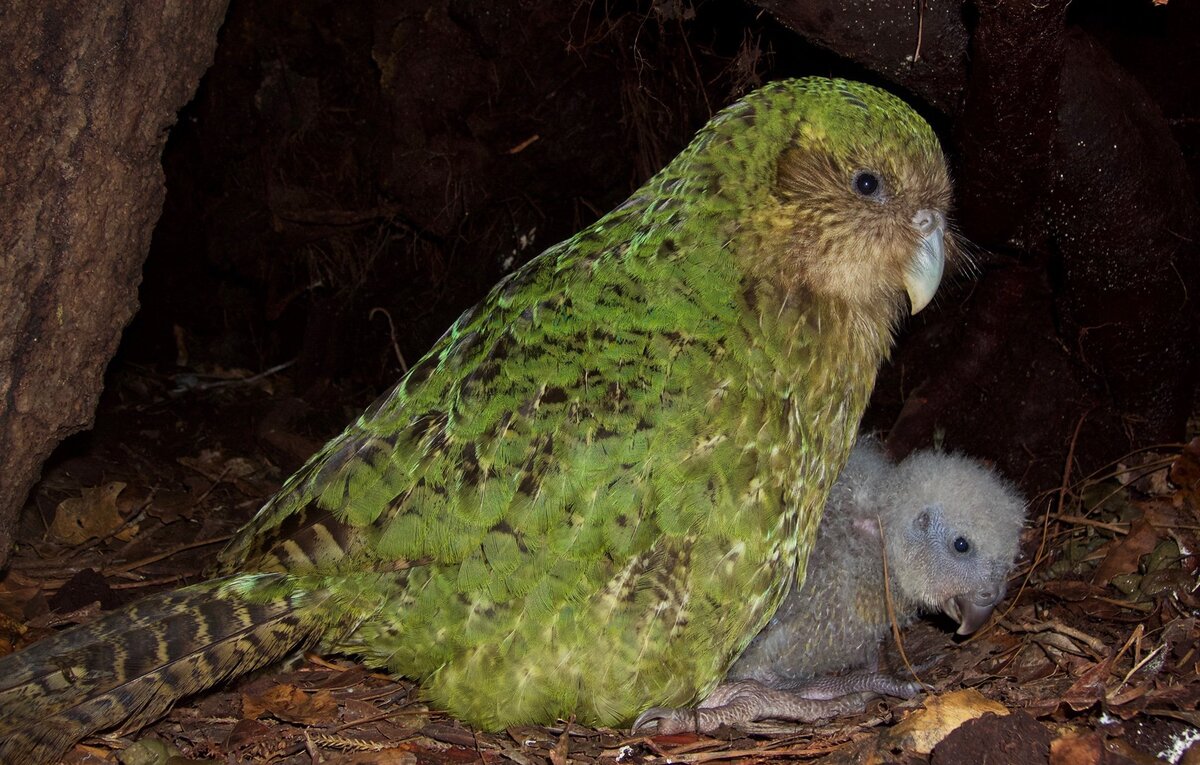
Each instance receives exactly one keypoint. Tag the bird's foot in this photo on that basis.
(745, 701)
(834, 687)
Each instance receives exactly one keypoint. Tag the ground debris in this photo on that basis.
(1094, 659)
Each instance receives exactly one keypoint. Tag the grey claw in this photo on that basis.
(666, 720)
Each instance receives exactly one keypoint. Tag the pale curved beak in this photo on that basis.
(924, 273)
(971, 610)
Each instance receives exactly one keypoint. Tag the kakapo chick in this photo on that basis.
(950, 533)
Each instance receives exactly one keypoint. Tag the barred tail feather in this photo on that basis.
(131, 665)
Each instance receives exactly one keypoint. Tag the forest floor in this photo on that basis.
(1093, 658)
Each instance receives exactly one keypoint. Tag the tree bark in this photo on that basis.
(87, 92)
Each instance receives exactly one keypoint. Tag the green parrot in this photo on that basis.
(599, 484)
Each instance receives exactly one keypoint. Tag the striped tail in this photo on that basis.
(131, 665)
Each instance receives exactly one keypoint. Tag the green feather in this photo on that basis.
(600, 482)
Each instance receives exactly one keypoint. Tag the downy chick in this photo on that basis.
(950, 534)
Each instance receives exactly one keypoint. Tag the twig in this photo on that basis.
(891, 611)
(1062, 494)
(147, 582)
(1150, 467)
(1116, 528)
(212, 486)
(920, 30)
(239, 381)
(1135, 640)
(1053, 625)
(1037, 558)
(738, 754)
(392, 333)
(523, 145)
(1096, 477)
(1130, 604)
(126, 567)
(1145, 660)
(562, 748)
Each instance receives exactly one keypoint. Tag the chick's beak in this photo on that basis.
(924, 273)
(972, 609)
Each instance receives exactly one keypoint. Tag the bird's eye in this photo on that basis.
(867, 183)
(961, 545)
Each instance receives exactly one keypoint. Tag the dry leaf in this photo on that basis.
(1076, 750)
(290, 704)
(246, 733)
(1089, 687)
(94, 514)
(1123, 557)
(1185, 473)
(212, 465)
(922, 730)
(391, 756)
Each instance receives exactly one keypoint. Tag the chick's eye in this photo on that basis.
(961, 545)
(866, 183)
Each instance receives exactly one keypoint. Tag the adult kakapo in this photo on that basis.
(948, 529)
(600, 482)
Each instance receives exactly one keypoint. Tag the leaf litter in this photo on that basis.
(1094, 657)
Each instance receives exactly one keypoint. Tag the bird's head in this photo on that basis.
(952, 529)
(846, 189)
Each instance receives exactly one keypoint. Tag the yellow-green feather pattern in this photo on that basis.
(601, 481)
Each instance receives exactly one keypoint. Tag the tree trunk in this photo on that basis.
(87, 93)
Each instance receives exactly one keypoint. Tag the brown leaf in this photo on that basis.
(1089, 687)
(1129, 693)
(392, 756)
(1185, 474)
(1123, 557)
(1076, 750)
(246, 733)
(1072, 590)
(94, 514)
(290, 704)
(922, 730)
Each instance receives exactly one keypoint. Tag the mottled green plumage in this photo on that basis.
(601, 481)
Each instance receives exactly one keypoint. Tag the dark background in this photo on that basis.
(352, 175)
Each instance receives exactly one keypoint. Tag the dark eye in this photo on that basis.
(866, 183)
(961, 545)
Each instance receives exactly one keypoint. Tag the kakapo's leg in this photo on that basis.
(837, 686)
(744, 701)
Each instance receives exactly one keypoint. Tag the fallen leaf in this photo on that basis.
(1154, 483)
(1076, 750)
(149, 751)
(246, 733)
(1089, 687)
(290, 704)
(1072, 590)
(1185, 473)
(1123, 557)
(392, 756)
(94, 514)
(921, 731)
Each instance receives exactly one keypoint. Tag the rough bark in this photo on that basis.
(1008, 121)
(86, 95)
(921, 45)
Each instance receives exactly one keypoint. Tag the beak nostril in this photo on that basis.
(926, 221)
